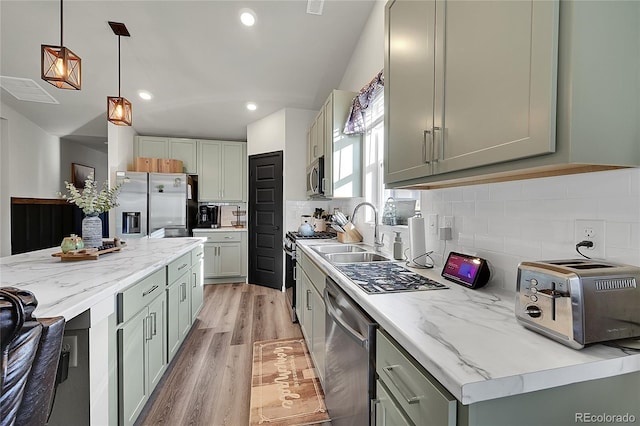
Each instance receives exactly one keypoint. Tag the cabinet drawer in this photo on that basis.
(423, 399)
(224, 237)
(178, 267)
(197, 254)
(140, 294)
(314, 273)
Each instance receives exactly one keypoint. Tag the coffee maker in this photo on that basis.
(209, 217)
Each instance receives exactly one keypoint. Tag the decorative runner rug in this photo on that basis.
(284, 387)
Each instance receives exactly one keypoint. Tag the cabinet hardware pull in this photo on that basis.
(147, 328)
(295, 274)
(440, 147)
(426, 152)
(228, 238)
(151, 290)
(402, 387)
(182, 267)
(183, 289)
(308, 293)
(154, 331)
(195, 280)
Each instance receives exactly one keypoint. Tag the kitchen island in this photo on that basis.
(86, 293)
(470, 342)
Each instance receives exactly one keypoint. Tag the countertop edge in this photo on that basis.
(473, 391)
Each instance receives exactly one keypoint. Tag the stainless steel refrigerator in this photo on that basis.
(153, 204)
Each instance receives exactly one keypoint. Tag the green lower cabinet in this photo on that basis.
(178, 313)
(156, 342)
(387, 413)
(141, 358)
(197, 291)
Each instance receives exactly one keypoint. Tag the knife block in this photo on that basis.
(350, 234)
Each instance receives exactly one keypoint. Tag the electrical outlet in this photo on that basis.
(591, 230)
(433, 224)
(70, 344)
(447, 222)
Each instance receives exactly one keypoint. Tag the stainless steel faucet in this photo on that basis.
(376, 242)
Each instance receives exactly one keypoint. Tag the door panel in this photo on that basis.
(265, 219)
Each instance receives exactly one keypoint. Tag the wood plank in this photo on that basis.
(209, 381)
(53, 201)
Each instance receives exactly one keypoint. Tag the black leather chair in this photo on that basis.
(30, 354)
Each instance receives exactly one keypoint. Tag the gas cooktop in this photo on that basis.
(387, 277)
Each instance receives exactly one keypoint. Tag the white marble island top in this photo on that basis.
(470, 341)
(69, 288)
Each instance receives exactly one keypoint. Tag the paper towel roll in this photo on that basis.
(417, 241)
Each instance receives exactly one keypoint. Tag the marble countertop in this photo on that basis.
(470, 341)
(69, 288)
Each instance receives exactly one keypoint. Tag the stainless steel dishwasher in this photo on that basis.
(349, 383)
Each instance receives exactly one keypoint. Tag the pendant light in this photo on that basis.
(119, 108)
(59, 65)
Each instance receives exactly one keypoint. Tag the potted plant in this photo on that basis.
(92, 202)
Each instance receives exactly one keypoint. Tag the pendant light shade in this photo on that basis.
(59, 65)
(119, 110)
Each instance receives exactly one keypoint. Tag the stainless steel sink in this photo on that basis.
(356, 257)
(338, 248)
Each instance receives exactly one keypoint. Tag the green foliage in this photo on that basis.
(89, 199)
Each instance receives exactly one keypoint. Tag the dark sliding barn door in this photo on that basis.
(265, 219)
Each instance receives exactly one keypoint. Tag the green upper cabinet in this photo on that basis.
(151, 147)
(181, 149)
(222, 170)
(485, 91)
(185, 150)
(468, 83)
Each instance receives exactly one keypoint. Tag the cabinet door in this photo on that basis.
(230, 260)
(209, 160)
(210, 260)
(173, 324)
(495, 82)
(153, 147)
(327, 185)
(157, 342)
(303, 308)
(184, 313)
(185, 150)
(386, 411)
(133, 390)
(197, 290)
(319, 146)
(312, 143)
(409, 89)
(234, 171)
(317, 347)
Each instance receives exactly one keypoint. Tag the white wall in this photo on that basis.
(267, 134)
(73, 152)
(368, 57)
(509, 222)
(120, 157)
(30, 164)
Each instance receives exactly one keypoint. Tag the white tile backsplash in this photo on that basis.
(510, 222)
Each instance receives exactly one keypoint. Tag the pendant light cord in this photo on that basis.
(61, 43)
(118, 66)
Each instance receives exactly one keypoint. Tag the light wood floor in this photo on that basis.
(209, 380)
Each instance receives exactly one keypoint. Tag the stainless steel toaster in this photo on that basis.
(579, 301)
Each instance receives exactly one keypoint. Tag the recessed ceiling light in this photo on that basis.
(251, 106)
(247, 17)
(145, 95)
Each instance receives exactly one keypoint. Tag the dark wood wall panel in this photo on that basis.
(43, 223)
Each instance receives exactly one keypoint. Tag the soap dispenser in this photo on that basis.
(397, 247)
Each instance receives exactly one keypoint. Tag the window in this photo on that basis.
(373, 164)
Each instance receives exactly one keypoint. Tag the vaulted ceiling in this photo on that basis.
(196, 59)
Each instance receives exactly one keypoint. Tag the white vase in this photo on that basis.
(92, 231)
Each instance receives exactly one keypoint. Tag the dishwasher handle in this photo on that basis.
(335, 316)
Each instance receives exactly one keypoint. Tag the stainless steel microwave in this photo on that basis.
(315, 178)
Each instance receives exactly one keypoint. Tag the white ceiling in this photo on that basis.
(195, 57)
